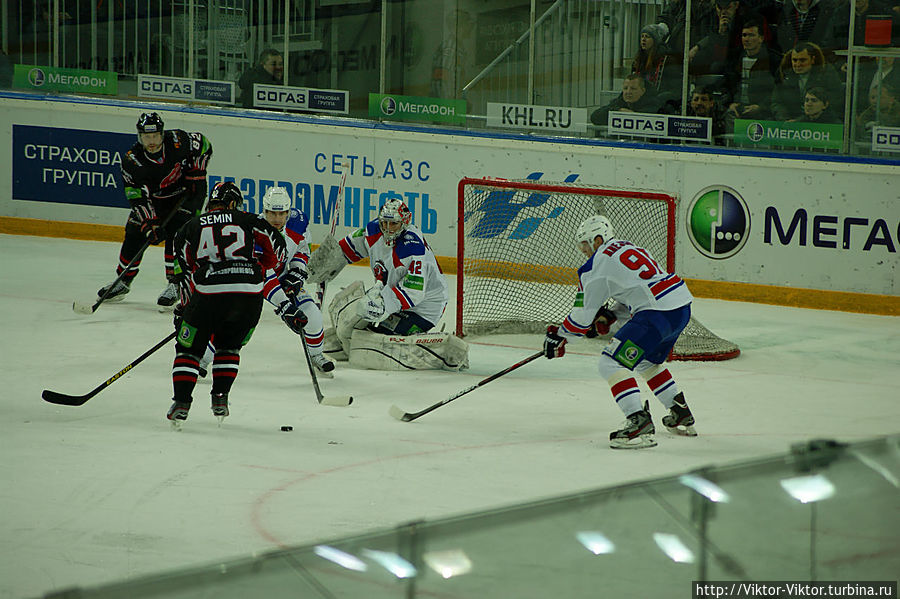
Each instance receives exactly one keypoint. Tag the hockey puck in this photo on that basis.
(287, 429)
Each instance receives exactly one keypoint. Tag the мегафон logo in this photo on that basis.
(36, 77)
(718, 222)
(388, 105)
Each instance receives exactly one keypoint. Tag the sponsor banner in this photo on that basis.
(69, 166)
(790, 135)
(300, 98)
(660, 126)
(886, 139)
(414, 108)
(188, 90)
(527, 116)
(58, 79)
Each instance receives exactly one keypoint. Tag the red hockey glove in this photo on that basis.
(292, 316)
(604, 319)
(554, 345)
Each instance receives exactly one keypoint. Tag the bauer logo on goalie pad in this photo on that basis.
(425, 351)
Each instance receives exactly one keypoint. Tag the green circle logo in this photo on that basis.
(36, 77)
(718, 222)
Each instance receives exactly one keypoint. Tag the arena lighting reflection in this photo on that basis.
(672, 546)
(391, 562)
(452, 562)
(807, 489)
(341, 558)
(708, 489)
(595, 542)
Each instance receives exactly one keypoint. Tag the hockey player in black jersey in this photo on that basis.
(220, 277)
(163, 168)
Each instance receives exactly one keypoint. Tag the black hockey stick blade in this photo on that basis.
(402, 416)
(340, 401)
(76, 400)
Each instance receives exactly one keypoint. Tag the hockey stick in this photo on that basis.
(84, 308)
(340, 401)
(335, 216)
(77, 400)
(409, 416)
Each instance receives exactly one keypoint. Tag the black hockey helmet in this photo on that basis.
(150, 122)
(225, 195)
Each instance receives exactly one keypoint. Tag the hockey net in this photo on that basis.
(517, 261)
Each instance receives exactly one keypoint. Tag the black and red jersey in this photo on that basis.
(164, 178)
(227, 251)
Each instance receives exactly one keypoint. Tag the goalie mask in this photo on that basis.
(590, 229)
(393, 219)
(276, 207)
(225, 196)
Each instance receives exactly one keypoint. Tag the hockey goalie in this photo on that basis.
(389, 326)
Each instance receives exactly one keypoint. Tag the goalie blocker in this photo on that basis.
(350, 339)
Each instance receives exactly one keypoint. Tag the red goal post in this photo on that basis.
(517, 261)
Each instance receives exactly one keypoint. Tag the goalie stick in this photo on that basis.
(77, 400)
(340, 401)
(410, 416)
(335, 216)
(85, 308)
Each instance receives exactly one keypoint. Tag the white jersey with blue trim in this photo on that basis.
(628, 274)
(412, 279)
(294, 234)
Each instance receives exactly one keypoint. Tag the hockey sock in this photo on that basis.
(660, 381)
(625, 391)
(224, 370)
(185, 370)
(132, 272)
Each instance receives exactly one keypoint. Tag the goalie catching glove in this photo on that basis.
(292, 316)
(554, 345)
(146, 217)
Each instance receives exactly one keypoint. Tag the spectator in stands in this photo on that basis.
(662, 76)
(751, 76)
(269, 70)
(802, 68)
(817, 108)
(883, 110)
(703, 103)
(673, 16)
(718, 48)
(807, 21)
(634, 98)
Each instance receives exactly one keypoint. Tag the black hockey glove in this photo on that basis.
(146, 216)
(178, 317)
(292, 316)
(292, 282)
(602, 321)
(554, 345)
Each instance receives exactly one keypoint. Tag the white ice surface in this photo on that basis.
(104, 491)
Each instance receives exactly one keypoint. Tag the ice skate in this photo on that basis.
(169, 296)
(323, 365)
(679, 420)
(220, 406)
(637, 433)
(117, 291)
(178, 413)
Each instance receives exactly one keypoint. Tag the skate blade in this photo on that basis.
(221, 420)
(639, 442)
(682, 430)
(324, 375)
(176, 425)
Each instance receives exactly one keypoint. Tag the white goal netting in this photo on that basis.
(516, 261)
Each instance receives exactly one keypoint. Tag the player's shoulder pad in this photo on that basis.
(297, 222)
(587, 266)
(373, 228)
(409, 244)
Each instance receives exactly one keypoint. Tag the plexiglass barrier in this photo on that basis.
(752, 75)
(824, 512)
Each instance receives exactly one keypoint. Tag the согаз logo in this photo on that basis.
(718, 222)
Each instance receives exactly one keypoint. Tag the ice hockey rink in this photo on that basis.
(107, 490)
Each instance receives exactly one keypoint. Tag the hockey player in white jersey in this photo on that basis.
(284, 289)
(388, 326)
(660, 308)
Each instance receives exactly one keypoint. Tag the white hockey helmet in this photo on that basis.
(590, 228)
(277, 200)
(393, 219)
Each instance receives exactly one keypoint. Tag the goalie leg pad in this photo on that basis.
(344, 297)
(326, 262)
(425, 351)
(331, 346)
